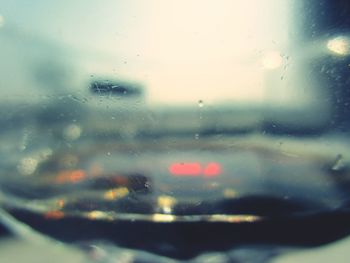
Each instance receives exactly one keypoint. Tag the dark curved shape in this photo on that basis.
(184, 240)
(116, 88)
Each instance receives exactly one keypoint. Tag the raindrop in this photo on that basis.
(338, 163)
(27, 133)
(27, 166)
(109, 153)
(196, 136)
(200, 103)
(72, 132)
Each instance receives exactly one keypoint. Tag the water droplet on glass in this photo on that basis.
(109, 153)
(196, 136)
(338, 163)
(27, 166)
(200, 103)
(72, 132)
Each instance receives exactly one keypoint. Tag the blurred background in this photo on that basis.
(254, 94)
(255, 62)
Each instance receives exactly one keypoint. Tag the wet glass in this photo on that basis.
(124, 119)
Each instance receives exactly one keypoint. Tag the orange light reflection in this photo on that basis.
(70, 176)
(54, 215)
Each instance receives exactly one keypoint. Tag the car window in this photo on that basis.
(165, 126)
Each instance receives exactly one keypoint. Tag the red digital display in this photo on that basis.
(212, 169)
(185, 169)
(195, 169)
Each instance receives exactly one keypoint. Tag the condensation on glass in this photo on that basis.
(232, 112)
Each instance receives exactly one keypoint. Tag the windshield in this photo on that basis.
(163, 127)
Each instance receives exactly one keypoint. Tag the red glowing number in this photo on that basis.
(195, 169)
(212, 169)
(185, 169)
